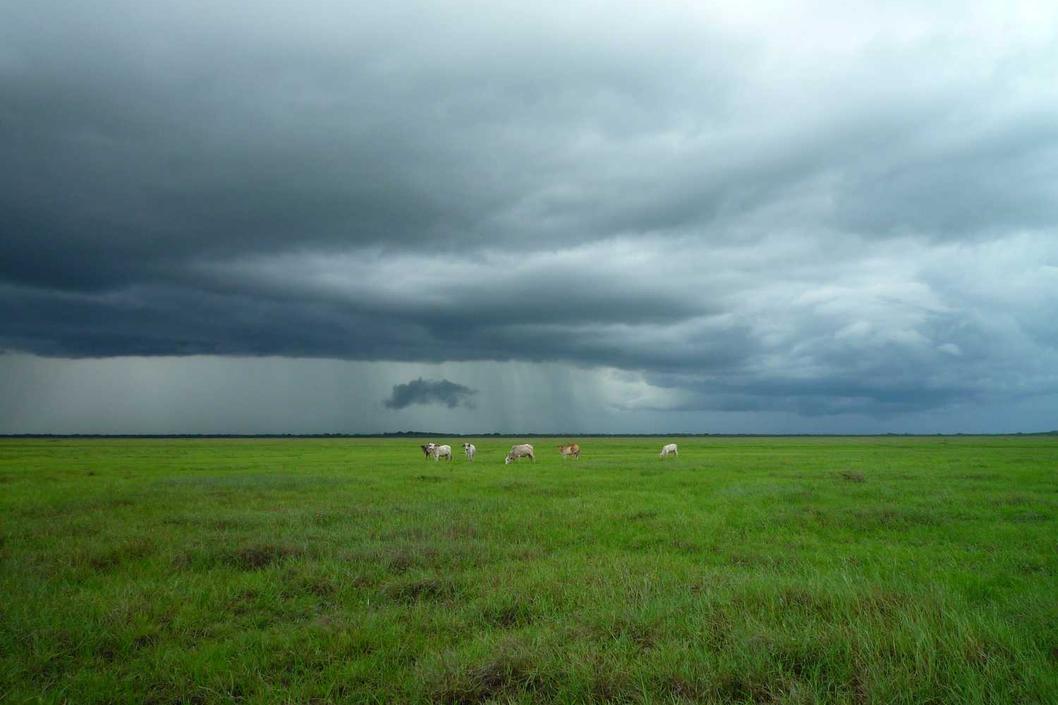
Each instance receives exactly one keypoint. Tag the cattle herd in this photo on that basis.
(522, 450)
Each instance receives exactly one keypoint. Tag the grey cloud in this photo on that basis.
(676, 191)
(430, 391)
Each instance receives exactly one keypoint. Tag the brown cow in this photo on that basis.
(571, 450)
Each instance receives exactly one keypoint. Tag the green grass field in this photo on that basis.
(874, 570)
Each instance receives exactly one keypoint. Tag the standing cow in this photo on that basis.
(572, 450)
(470, 449)
(669, 449)
(523, 450)
(442, 452)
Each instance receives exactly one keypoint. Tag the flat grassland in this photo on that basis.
(748, 570)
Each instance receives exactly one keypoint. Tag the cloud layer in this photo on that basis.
(839, 209)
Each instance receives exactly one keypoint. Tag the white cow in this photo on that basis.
(523, 450)
(470, 449)
(442, 452)
(669, 449)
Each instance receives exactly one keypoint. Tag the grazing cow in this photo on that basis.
(523, 450)
(669, 449)
(427, 450)
(470, 449)
(442, 452)
(571, 450)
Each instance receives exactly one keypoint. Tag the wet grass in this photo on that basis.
(880, 570)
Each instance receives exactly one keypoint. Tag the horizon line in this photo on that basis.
(425, 434)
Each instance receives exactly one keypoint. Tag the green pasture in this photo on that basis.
(748, 570)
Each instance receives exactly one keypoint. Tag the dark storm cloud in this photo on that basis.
(430, 391)
(758, 209)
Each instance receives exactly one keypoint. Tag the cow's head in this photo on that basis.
(466, 446)
(508, 459)
(428, 448)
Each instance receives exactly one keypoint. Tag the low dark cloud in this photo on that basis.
(431, 391)
(815, 211)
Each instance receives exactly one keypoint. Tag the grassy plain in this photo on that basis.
(792, 570)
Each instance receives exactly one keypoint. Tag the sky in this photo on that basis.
(657, 217)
